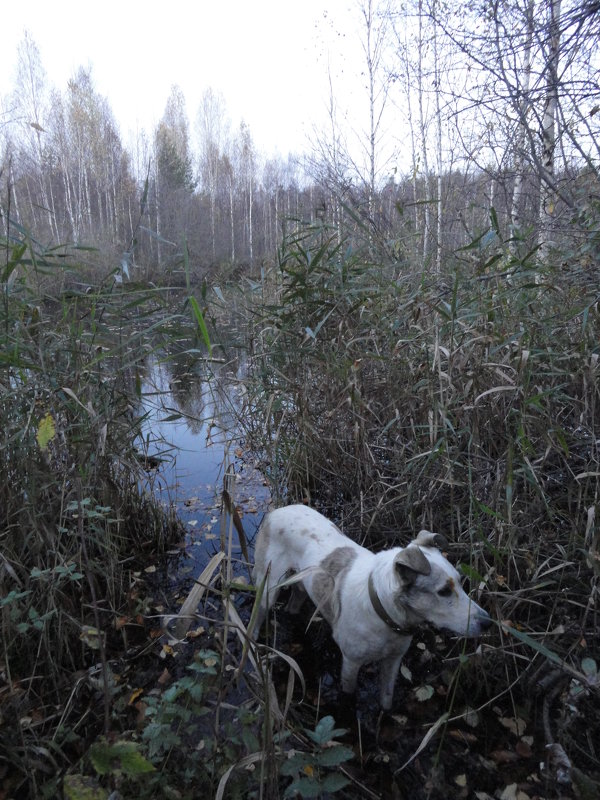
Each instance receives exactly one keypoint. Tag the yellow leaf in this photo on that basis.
(46, 431)
(90, 636)
(134, 696)
(309, 770)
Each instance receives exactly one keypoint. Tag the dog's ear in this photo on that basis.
(411, 562)
(429, 539)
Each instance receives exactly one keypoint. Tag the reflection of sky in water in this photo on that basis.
(190, 427)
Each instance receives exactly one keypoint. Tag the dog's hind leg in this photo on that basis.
(388, 673)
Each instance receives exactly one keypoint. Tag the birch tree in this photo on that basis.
(212, 126)
(548, 129)
(30, 108)
(374, 41)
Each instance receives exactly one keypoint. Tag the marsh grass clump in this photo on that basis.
(466, 402)
(75, 519)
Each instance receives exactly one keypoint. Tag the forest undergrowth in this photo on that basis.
(465, 402)
(391, 399)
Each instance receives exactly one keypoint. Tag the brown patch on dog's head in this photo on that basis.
(410, 563)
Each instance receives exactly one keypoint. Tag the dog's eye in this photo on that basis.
(446, 591)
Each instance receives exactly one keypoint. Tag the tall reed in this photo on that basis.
(466, 402)
(74, 517)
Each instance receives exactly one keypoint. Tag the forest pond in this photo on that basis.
(192, 438)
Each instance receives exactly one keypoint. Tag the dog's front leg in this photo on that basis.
(388, 673)
(349, 674)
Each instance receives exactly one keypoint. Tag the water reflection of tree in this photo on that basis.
(189, 385)
(203, 390)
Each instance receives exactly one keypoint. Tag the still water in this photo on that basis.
(191, 425)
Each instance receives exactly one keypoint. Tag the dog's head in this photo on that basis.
(430, 588)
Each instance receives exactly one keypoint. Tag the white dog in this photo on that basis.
(372, 601)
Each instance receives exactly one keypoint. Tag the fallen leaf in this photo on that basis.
(523, 749)
(463, 736)
(166, 650)
(503, 756)
(471, 717)
(150, 569)
(406, 673)
(195, 633)
(134, 696)
(516, 726)
(460, 780)
(423, 693)
(512, 792)
(165, 677)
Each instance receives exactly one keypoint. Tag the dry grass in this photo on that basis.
(467, 403)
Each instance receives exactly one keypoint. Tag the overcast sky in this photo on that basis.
(268, 57)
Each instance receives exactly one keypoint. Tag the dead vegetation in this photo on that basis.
(466, 403)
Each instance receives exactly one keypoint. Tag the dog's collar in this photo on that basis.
(380, 610)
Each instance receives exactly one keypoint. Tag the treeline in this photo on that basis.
(515, 151)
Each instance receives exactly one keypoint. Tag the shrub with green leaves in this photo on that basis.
(315, 772)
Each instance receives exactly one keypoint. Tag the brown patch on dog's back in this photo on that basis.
(328, 579)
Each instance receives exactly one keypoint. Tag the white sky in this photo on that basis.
(267, 57)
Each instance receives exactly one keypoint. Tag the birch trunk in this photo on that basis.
(515, 212)
(423, 132)
(438, 118)
(548, 133)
